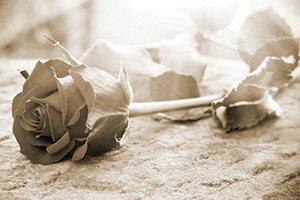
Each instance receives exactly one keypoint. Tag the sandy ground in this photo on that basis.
(162, 160)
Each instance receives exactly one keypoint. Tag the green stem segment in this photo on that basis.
(146, 108)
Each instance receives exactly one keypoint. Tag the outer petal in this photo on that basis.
(71, 98)
(16, 102)
(124, 80)
(61, 67)
(39, 76)
(34, 153)
(120, 141)
(103, 94)
(104, 136)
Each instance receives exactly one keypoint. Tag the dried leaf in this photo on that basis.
(261, 35)
(280, 47)
(251, 100)
(171, 86)
(180, 54)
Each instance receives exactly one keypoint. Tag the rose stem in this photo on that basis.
(145, 108)
(221, 42)
(64, 51)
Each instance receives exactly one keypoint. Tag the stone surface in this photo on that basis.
(162, 160)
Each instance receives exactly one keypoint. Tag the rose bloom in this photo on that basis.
(70, 111)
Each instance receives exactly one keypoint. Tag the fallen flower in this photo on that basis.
(74, 110)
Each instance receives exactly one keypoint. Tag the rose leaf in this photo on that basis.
(137, 61)
(251, 100)
(259, 29)
(172, 86)
(283, 47)
(180, 54)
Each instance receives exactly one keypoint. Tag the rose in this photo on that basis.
(66, 110)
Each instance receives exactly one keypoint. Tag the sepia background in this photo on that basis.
(162, 160)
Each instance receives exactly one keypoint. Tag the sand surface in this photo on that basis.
(162, 160)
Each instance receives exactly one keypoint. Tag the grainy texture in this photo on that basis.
(162, 160)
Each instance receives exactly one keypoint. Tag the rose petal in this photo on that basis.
(124, 139)
(102, 92)
(61, 67)
(60, 144)
(54, 116)
(52, 99)
(40, 141)
(38, 91)
(80, 152)
(16, 102)
(57, 127)
(71, 98)
(53, 158)
(34, 153)
(39, 76)
(102, 137)
(78, 128)
(40, 113)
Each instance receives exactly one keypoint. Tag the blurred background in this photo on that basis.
(77, 24)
